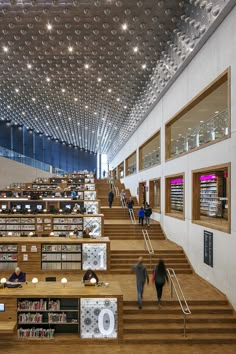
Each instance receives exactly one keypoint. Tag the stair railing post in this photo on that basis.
(184, 325)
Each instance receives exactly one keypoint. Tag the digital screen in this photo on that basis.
(39, 207)
(68, 206)
(18, 207)
(2, 307)
(27, 206)
(4, 207)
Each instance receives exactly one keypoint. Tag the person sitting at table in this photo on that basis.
(86, 232)
(17, 276)
(89, 275)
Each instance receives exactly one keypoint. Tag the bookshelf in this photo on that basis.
(61, 256)
(8, 256)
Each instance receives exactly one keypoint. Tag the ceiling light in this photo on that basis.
(86, 107)
(144, 66)
(99, 79)
(125, 107)
(109, 90)
(49, 26)
(5, 49)
(47, 107)
(33, 99)
(135, 49)
(70, 49)
(48, 79)
(17, 90)
(75, 99)
(86, 66)
(118, 99)
(29, 66)
(124, 26)
(95, 113)
(63, 90)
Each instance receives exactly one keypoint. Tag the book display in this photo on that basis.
(61, 256)
(177, 194)
(8, 256)
(211, 195)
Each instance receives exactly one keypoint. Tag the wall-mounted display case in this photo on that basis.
(175, 195)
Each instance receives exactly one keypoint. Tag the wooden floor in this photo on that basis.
(191, 285)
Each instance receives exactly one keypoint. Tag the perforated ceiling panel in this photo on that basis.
(86, 72)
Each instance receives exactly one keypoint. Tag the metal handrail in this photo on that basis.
(123, 203)
(148, 245)
(132, 217)
(180, 295)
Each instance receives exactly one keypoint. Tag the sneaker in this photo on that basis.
(140, 307)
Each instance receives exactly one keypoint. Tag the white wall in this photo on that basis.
(216, 56)
(15, 172)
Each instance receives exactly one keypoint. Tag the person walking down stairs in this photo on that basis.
(141, 278)
(148, 213)
(110, 198)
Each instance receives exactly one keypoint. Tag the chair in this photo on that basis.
(50, 279)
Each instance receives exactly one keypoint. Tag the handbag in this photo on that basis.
(153, 276)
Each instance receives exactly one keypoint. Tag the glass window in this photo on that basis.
(204, 120)
(149, 152)
(155, 194)
(210, 200)
(174, 203)
(130, 164)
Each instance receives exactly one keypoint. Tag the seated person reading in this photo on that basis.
(18, 276)
(86, 232)
(89, 275)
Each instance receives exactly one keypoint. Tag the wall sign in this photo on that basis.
(208, 247)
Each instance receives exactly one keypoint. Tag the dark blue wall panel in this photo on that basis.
(5, 135)
(17, 139)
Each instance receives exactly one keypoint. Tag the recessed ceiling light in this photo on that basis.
(29, 66)
(33, 99)
(63, 90)
(99, 79)
(16, 89)
(49, 26)
(125, 107)
(70, 49)
(5, 49)
(75, 99)
(59, 113)
(201, 121)
(47, 107)
(144, 66)
(124, 26)
(86, 107)
(109, 90)
(48, 79)
(86, 66)
(135, 49)
(118, 99)
(216, 112)
(95, 113)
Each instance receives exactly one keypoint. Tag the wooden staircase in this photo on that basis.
(212, 321)
(122, 261)
(132, 232)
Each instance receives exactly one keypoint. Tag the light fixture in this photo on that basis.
(49, 26)
(124, 26)
(29, 210)
(99, 79)
(44, 210)
(70, 49)
(144, 66)
(35, 281)
(3, 280)
(52, 233)
(86, 66)
(93, 281)
(64, 281)
(9, 233)
(60, 210)
(31, 233)
(29, 66)
(135, 49)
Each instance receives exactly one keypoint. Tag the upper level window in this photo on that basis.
(130, 164)
(149, 152)
(205, 120)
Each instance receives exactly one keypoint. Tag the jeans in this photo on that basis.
(147, 220)
(140, 287)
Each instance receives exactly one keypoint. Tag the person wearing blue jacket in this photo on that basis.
(141, 215)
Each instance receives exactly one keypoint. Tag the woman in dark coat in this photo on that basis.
(160, 277)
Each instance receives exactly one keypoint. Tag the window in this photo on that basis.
(149, 152)
(210, 197)
(130, 164)
(205, 120)
(174, 203)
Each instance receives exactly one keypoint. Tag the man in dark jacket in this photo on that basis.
(110, 198)
(141, 277)
(148, 213)
(17, 276)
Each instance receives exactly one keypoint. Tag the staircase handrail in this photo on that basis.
(148, 245)
(180, 295)
(123, 203)
(132, 217)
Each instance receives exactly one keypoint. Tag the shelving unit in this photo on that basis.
(8, 256)
(61, 256)
(16, 226)
(177, 194)
(64, 226)
(42, 318)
